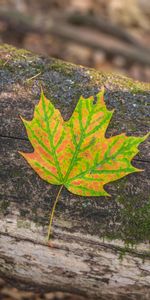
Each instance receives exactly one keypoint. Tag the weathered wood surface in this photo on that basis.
(90, 235)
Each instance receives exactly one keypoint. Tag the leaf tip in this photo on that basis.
(139, 170)
(106, 194)
(41, 88)
(100, 94)
(22, 119)
(112, 111)
(146, 136)
(21, 153)
(42, 94)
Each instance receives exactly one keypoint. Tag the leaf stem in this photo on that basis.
(52, 213)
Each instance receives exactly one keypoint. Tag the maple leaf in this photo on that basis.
(76, 153)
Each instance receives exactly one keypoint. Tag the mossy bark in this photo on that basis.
(114, 223)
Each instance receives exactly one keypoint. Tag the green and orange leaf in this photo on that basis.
(76, 153)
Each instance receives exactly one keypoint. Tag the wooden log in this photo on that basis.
(21, 25)
(100, 246)
(102, 24)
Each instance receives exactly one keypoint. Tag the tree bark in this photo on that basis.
(100, 245)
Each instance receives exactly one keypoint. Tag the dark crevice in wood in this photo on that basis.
(14, 138)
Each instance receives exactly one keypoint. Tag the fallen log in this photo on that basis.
(58, 27)
(102, 24)
(100, 246)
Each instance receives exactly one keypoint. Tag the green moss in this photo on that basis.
(112, 79)
(133, 217)
(9, 54)
(4, 204)
(62, 67)
(24, 212)
(130, 223)
(2, 61)
(135, 220)
(116, 81)
(131, 250)
(23, 224)
(10, 57)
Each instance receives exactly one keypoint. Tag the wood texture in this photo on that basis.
(91, 253)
